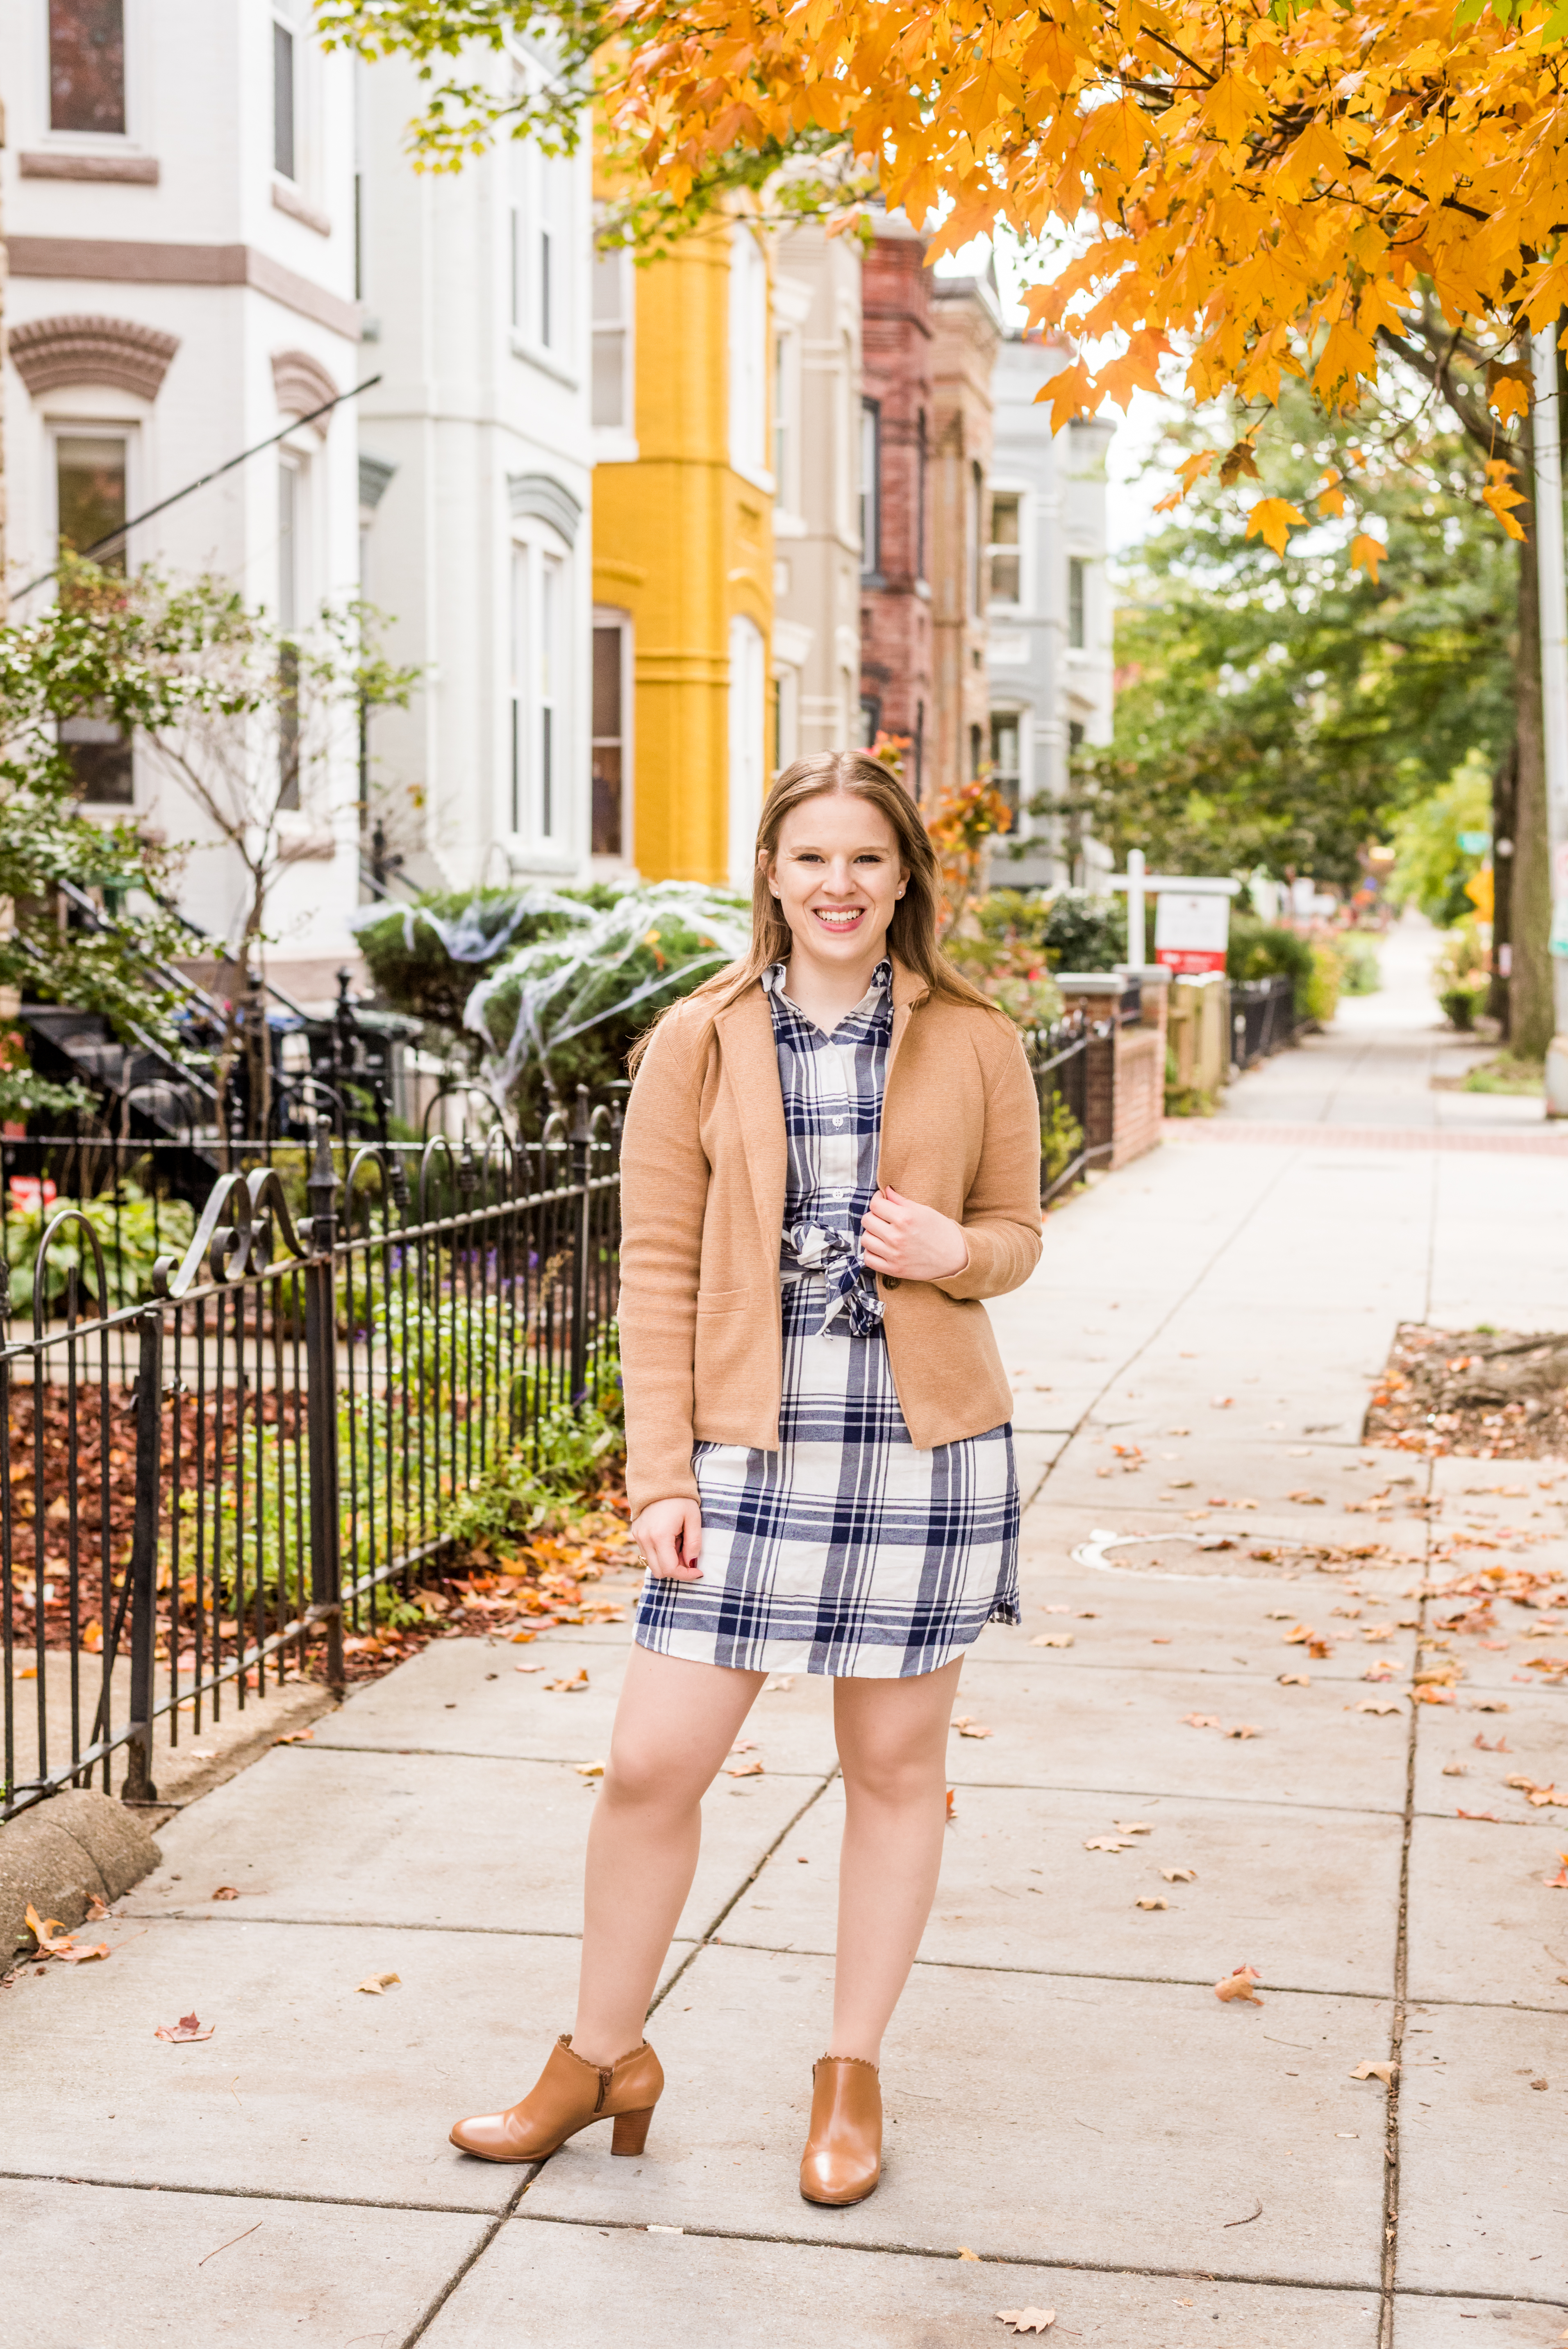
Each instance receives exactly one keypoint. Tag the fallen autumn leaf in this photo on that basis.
(1107, 1843)
(376, 1984)
(1151, 1900)
(1239, 1985)
(1027, 2320)
(1180, 1875)
(743, 1770)
(227, 1892)
(590, 1769)
(1052, 1639)
(1368, 2071)
(188, 2027)
(54, 1941)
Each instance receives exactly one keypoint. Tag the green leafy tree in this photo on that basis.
(1276, 716)
(1432, 864)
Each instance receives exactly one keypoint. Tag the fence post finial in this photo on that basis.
(320, 1189)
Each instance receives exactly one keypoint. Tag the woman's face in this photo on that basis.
(837, 877)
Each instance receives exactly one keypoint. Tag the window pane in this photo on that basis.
(1004, 522)
(546, 288)
(87, 65)
(607, 685)
(610, 376)
(90, 488)
(607, 799)
(282, 101)
(288, 546)
(100, 755)
(290, 750)
(1076, 602)
(871, 485)
(609, 269)
(1004, 578)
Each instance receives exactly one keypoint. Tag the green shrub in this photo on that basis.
(1320, 999)
(1260, 949)
(1430, 868)
(144, 1230)
(1083, 932)
(1461, 972)
(1363, 970)
(1061, 1138)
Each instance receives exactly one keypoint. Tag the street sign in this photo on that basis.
(1191, 930)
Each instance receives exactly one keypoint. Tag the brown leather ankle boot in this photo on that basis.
(569, 2093)
(842, 2160)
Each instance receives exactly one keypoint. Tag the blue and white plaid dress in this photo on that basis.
(846, 1551)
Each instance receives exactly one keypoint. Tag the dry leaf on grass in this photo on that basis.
(1239, 1985)
(1151, 1900)
(1035, 2320)
(1180, 1875)
(227, 1892)
(188, 2027)
(1378, 1704)
(54, 1941)
(376, 1984)
(590, 1769)
(743, 1770)
(1293, 1680)
(1052, 1639)
(1368, 2071)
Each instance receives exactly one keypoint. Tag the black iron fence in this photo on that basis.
(252, 1453)
(1262, 1018)
(1064, 1059)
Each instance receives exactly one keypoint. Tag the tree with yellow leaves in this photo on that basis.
(1223, 193)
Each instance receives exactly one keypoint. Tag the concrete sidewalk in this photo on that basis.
(1067, 2097)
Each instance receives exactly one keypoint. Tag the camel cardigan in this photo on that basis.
(703, 1167)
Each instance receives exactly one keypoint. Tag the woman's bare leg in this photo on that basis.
(892, 1747)
(673, 1725)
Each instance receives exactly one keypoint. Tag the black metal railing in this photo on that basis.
(1060, 1058)
(249, 1459)
(1262, 1018)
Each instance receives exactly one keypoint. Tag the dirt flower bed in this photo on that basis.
(1483, 1393)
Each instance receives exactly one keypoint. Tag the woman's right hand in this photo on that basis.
(669, 1535)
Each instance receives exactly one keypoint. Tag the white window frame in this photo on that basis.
(748, 359)
(1019, 714)
(95, 142)
(615, 443)
(59, 428)
(614, 616)
(536, 813)
(748, 729)
(1024, 602)
(1083, 564)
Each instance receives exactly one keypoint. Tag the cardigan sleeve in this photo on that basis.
(663, 1191)
(1002, 1213)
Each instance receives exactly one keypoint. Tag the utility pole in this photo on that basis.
(1548, 440)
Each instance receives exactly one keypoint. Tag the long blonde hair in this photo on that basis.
(911, 931)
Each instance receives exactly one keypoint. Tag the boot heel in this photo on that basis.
(631, 2131)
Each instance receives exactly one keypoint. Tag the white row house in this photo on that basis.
(214, 228)
(1049, 620)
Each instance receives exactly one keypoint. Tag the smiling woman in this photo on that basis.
(831, 1155)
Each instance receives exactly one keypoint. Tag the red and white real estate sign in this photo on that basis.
(1191, 930)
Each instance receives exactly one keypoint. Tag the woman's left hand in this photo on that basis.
(910, 1242)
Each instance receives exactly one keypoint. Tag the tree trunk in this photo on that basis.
(1504, 805)
(1530, 1011)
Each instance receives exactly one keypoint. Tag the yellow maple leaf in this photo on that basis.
(1271, 519)
(1235, 102)
(1507, 391)
(1366, 554)
(1501, 495)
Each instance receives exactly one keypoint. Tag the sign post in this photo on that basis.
(1191, 936)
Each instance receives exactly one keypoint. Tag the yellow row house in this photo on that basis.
(683, 555)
